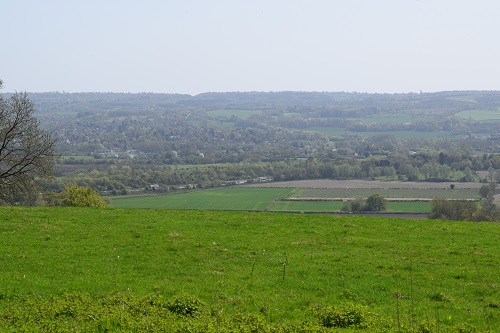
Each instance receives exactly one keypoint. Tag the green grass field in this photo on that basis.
(264, 199)
(233, 198)
(242, 114)
(481, 115)
(399, 134)
(82, 270)
(335, 131)
(308, 206)
(334, 206)
(409, 207)
(392, 118)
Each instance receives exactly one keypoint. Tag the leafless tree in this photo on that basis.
(26, 150)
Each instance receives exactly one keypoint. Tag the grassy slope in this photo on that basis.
(329, 260)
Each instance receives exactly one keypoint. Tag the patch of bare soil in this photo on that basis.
(368, 184)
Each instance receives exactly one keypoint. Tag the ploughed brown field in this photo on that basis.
(369, 184)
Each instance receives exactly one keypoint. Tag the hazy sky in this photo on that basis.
(194, 46)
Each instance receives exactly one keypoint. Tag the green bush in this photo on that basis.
(464, 328)
(186, 306)
(78, 196)
(345, 316)
(357, 205)
(452, 210)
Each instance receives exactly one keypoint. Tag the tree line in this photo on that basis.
(117, 143)
(461, 210)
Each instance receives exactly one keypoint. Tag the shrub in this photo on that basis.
(346, 316)
(452, 210)
(357, 205)
(78, 196)
(187, 306)
(464, 328)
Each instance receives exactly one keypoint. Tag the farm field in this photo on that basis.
(466, 193)
(242, 114)
(305, 196)
(307, 206)
(365, 184)
(69, 269)
(399, 134)
(409, 134)
(232, 198)
(481, 115)
(334, 206)
(253, 199)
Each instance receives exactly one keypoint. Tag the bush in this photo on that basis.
(357, 205)
(374, 203)
(452, 210)
(78, 196)
(187, 306)
(346, 316)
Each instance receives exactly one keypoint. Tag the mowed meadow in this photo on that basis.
(80, 270)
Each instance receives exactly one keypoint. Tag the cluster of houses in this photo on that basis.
(116, 153)
(157, 187)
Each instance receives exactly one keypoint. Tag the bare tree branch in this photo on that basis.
(26, 150)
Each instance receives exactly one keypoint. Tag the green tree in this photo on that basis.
(357, 205)
(488, 191)
(26, 150)
(453, 210)
(82, 196)
(375, 203)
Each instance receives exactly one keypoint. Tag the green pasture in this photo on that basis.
(80, 270)
(408, 207)
(392, 118)
(407, 134)
(307, 206)
(334, 131)
(334, 206)
(242, 114)
(480, 115)
(232, 198)
(263, 199)
(399, 134)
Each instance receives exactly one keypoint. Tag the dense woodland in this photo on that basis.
(117, 143)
